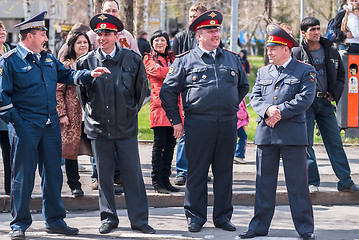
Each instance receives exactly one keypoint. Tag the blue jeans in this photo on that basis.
(241, 144)
(322, 111)
(181, 160)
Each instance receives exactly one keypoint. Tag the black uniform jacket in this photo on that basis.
(112, 101)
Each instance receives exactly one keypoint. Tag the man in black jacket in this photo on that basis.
(111, 104)
(320, 53)
(185, 40)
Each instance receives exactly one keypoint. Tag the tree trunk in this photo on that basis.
(268, 9)
(97, 6)
(128, 13)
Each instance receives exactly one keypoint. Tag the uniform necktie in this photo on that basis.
(108, 56)
(34, 58)
(280, 69)
(211, 53)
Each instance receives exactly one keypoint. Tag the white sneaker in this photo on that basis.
(313, 189)
(238, 160)
(63, 168)
(81, 167)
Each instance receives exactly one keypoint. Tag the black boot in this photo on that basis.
(159, 188)
(167, 184)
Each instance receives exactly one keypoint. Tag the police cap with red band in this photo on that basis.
(207, 20)
(104, 22)
(278, 36)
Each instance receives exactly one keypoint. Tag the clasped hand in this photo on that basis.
(274, 116)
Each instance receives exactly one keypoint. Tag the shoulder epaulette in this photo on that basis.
(304, 62)
(182, 54)
(8, 54)
(229, 51)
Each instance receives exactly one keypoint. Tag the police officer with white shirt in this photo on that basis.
(283, 90)
(212, 83)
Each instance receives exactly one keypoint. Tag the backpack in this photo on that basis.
(329, 34)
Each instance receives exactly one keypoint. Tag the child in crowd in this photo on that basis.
(243, 120)
(244, 61)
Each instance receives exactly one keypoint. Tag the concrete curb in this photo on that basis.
(90, 202)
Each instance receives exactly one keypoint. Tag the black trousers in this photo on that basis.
(5, 150)
(72, 173)
(209, 144)
(162, 154)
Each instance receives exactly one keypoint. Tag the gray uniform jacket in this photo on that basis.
(293, 91)
(211, 89)
(112, 102)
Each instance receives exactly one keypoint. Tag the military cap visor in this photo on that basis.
(278, 36)
(37, 22)
(207, 20)
(104, 22)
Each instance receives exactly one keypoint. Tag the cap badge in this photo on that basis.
(212, 22)
(103, 25)
(270, 38)
(102, 17)
(212, 15)
(271, 28)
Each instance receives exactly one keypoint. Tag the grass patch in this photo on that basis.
(144, 131)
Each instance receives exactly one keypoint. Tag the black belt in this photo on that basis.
(321, 94)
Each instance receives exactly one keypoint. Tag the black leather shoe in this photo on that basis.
(227, 226)
(66, 230)
(106, 228)
(145, 228)
(180, 180)
(352, 188)
(194, 227)
(307, 236)
(18, 235)
(250, 234)
(77, 192)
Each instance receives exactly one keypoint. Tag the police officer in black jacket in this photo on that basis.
(212, 83)
(111, 105)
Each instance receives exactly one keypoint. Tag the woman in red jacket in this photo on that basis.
(157, 64)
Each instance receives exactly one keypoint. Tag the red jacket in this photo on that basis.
(156, 74)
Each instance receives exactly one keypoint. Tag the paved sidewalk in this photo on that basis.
(331, 223)
(243, 185)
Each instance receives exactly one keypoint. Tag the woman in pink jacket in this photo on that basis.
(157, 64)
(243, 120)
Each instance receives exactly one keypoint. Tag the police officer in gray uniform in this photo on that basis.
(283, 90)
(212, 83)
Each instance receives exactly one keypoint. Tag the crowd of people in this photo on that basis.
(86, 99)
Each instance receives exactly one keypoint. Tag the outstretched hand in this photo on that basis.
(99, 71)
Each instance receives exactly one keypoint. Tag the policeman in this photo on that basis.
(283, 90)
(28, 77)
(212, 83)
(111, 106)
